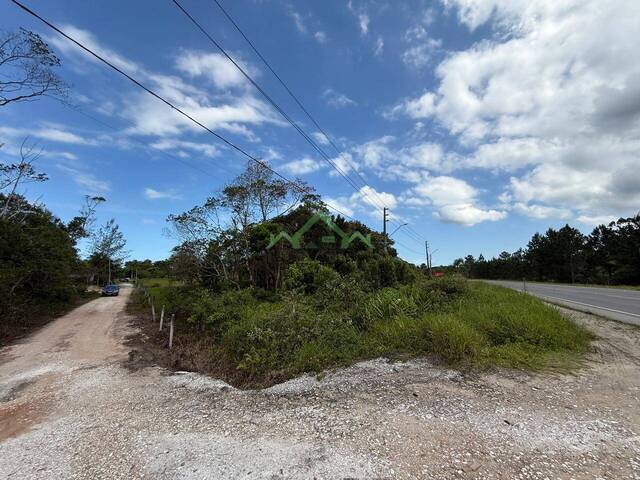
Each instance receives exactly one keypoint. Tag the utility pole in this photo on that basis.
(426, 249)
(109, 282)
(384, 227)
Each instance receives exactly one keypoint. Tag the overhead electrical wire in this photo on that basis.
(168, 103)
(309, 140)
(297, 101)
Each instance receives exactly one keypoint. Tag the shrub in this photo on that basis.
(307, 276)
(386, 304)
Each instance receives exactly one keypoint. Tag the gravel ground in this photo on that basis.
(69, 409)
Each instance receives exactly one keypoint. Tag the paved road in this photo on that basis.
(615, 303)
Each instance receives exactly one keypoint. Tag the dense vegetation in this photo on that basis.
(609, 255)
(256, 312)
(322, 319)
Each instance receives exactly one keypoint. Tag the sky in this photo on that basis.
(477, 122)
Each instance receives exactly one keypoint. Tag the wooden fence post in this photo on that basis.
(153, 312)
(173, 315)
(161, 317)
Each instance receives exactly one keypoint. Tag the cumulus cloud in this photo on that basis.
(215, 67)
(454, 200)
(552, 98)
(370, 197)
(230, 107)
(303, 166)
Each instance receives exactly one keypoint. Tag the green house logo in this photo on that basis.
(340, 236)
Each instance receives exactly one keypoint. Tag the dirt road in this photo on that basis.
(69, 409)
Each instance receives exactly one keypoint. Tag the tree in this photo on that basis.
(27, 68)
(81, 226)
(37, 267)
(13, 175)
(107, 249)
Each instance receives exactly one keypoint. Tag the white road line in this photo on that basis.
(592, 306)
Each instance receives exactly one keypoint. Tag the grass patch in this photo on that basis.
(255, 339)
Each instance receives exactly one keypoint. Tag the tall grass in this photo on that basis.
(477, 325)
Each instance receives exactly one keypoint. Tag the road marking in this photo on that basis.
(592, 306)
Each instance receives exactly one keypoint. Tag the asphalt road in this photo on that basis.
(614, 303)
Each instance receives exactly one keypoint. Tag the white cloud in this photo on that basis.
(552, 97)
(298, 21)
(379, 48)
(421, 107)
(53, 132)
(153, 194)
(542, 211)
(62, 45)
(86, 180)
(454, 200)
(303, 166)
(233, 112)
(337, 99)
(320, 36)
(320, 138)
(468, 214)
(371, 198)
(339, 204)
(363, 22)
(205, 149)
(420, 54)
(216, 67)
(594, 221)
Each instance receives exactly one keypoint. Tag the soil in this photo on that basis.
(70, 408)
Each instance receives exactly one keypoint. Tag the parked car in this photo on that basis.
(110, 290)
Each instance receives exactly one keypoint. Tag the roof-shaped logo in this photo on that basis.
(344, 239)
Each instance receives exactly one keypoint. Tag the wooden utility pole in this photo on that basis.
(384, 227)
(426, 249)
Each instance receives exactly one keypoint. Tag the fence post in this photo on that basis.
(524, 285)
(153, 312)
(173, 315)
(161, 317)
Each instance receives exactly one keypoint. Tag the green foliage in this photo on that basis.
(307, 276)
(609, 255)
(328, 320)
(37, 268)
(454, 340)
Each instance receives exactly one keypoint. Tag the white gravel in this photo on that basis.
(77, 414)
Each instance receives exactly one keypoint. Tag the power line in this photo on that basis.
(265, 95)
(154, 94)
(168, 103)
(142, 144)
(322, 153)
(295, 98)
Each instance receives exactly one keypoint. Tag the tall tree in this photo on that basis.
(14, 175)
(27, 68)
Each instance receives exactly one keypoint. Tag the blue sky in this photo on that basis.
(479, 122)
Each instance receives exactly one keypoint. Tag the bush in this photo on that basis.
(386, 304)
(307, 276)
(259, 337)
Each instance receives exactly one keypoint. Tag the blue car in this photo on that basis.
(110, 291)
